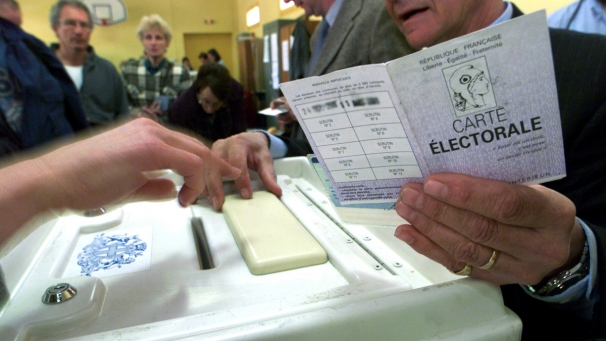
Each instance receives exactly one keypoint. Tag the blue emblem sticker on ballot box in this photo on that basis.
(107, 252)
(111, 253)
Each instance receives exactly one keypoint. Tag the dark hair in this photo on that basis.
(215, 54)
(184, 59)
(203, 55)
(217, 78)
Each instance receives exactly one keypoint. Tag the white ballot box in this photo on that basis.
(134, 273)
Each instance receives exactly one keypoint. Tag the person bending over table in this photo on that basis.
(213, 107)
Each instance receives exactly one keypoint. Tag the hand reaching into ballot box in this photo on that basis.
(108, 168)
(243, 151)
(491, 230)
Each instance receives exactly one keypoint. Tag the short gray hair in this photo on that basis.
(56, 11)
(154, 21)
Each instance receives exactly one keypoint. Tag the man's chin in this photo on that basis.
(418, 40)
(79, 45)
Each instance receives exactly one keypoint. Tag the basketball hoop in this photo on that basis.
(107, 12)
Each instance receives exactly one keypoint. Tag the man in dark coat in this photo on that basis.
(543, 234)
(44, 103)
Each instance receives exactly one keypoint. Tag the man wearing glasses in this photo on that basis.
(101, 89)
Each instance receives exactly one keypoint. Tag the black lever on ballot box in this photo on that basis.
(204, 257)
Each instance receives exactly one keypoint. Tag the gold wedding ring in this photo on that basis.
(491, 261)
(463, 272)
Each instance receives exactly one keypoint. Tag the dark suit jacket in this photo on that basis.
(580, 70)
(299, 52)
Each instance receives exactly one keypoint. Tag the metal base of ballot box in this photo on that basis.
(134, 273)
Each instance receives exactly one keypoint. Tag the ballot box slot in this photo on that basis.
(205, 258)
(340, 226)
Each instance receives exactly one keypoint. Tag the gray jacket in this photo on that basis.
(103, 93)
(363, 33)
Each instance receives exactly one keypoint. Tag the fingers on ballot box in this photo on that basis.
(268, 268)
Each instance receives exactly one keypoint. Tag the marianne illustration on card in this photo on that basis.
(470, 87)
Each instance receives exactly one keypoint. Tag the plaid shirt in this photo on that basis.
(143, 87)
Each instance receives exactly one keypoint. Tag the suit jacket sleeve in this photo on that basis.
(580, 70)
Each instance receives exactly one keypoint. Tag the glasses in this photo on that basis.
(208, 106)
(72, 24)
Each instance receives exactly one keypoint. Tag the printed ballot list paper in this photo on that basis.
(484, 104)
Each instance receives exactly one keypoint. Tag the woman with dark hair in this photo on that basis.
(215, 57)
(213, 107)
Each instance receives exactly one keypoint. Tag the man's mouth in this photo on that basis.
(411, 13)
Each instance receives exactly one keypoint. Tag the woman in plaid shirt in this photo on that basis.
(154, 82)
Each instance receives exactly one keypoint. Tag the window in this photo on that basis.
(253, 16)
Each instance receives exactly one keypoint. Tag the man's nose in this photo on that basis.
(80, 27)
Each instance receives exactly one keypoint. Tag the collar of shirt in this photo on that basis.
(598, 11)
(152, 69)
(331, 16)
(507, 14)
